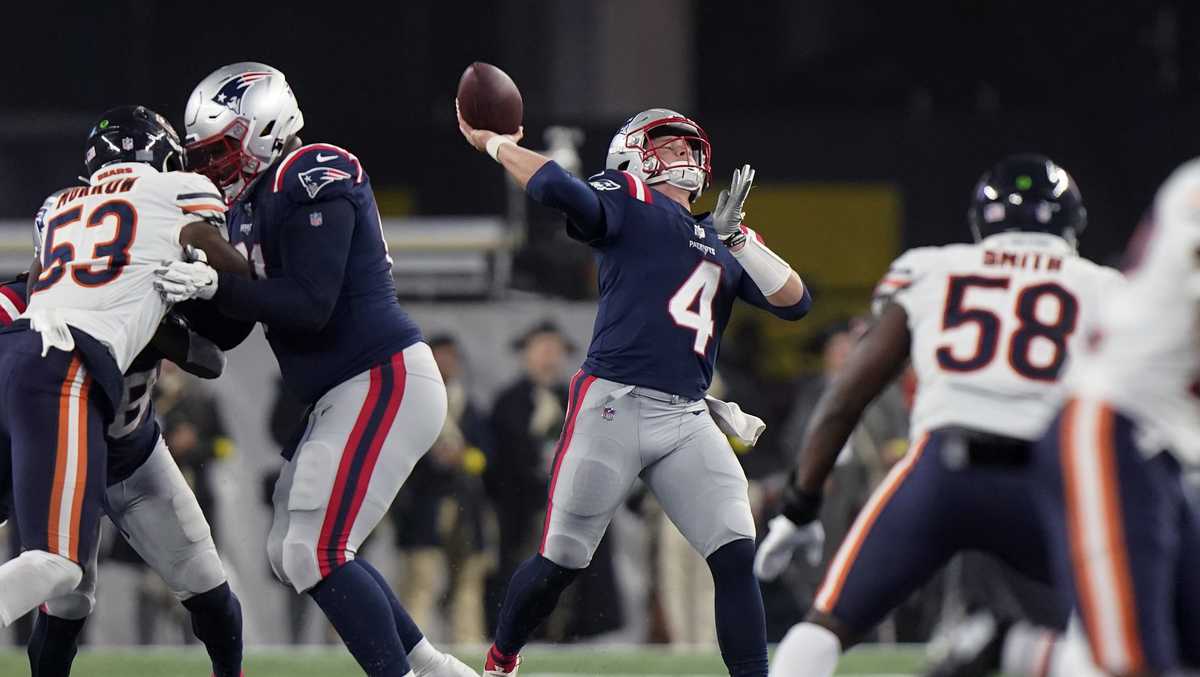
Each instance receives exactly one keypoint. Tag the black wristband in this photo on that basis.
(801, 507)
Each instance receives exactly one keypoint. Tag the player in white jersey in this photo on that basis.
(989, 327)
(92, 308)
(1124, 526)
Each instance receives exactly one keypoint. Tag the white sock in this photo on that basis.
(1028, 650)
(33, 578)
(807, 650)
(423, 656)
(1072, 657)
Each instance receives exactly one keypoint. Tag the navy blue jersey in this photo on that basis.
(667, 287)
(325, 294)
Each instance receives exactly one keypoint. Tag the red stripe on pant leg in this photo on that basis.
(339, 486)
(566, 445)
(399, 374)
(16, 299)
(572, 395)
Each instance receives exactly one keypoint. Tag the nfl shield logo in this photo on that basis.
(609, 413)
(315, 219)
(127, 143)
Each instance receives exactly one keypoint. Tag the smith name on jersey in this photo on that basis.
(992, 325)
(311, 230)
(667, 286)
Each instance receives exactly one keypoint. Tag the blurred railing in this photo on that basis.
(433, 257)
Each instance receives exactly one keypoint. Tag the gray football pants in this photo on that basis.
(615, 433)
(158, 513)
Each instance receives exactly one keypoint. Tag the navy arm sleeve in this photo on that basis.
(555, 187)
(750, 293)
(314, 264)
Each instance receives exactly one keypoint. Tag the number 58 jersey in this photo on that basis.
(993, 325)
(99, 245)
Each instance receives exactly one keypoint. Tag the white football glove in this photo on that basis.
(783, 538)
(728, 215)
(182, 280)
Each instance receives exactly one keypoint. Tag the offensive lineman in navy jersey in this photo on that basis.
(306, 217)
(638, 408)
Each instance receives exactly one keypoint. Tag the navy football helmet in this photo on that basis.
(1030, 193)
(133, 134)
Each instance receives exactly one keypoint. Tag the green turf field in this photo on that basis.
(543, 661)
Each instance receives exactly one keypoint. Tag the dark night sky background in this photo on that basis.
(924, 95)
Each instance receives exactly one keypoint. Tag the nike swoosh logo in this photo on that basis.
(325, 158)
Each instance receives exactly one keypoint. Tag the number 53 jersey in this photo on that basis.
(993, 325)
(667, 287)
(99, 244)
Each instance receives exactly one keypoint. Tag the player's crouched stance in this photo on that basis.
(638, 408)
(1125, 531)
(308, 219)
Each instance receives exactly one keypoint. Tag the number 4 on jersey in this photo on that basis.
(702, 284)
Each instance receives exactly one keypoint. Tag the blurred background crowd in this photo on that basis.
(868, 124)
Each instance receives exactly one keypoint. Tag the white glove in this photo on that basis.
(728, 215)
(775, 552)
(182, 280)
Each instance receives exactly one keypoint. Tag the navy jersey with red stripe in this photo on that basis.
(12, 300)
(667, 287)
(324, 289)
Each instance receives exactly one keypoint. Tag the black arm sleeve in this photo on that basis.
(314, 264)
(206, 320)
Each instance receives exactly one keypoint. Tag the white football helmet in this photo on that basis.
(633, 150)
(238, 121)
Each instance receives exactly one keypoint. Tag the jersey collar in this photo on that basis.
(121, 169)
(1024, 240)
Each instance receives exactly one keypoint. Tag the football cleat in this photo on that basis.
(499, 665)
(973, 648)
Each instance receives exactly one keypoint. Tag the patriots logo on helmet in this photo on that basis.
(317, 178)
(231, 93)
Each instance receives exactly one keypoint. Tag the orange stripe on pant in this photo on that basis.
(1107, 558)
(839, 570)
(70, 466)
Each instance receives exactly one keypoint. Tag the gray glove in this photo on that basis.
(727, 217)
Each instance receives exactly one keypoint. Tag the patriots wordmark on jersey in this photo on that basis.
(993, 325)
(667, 288)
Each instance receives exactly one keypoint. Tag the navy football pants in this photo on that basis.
(1125, 540)
(50, 422)
(931, 506)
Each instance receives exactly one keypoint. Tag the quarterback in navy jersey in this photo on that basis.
(306, 218)
(638, 408)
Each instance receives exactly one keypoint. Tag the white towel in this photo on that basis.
(734, 422)
(54, 330)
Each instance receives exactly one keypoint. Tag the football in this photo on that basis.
(489, 99)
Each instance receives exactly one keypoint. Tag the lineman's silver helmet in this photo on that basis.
(238, 121)
(633, 150)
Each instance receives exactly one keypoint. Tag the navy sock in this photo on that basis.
(53, 644)
(741, 625)
(362, 616)
(532, 594)
(410, 634)
(217, 621)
